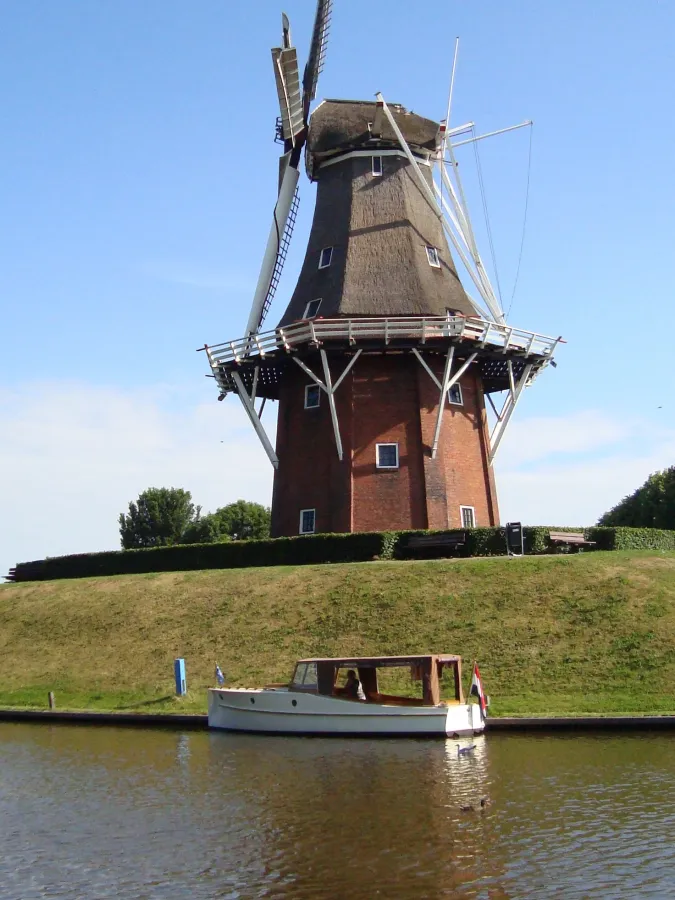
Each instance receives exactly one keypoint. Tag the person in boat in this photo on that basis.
(353, 687)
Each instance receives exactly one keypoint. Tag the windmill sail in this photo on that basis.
(288, 89)
(277, 245)
(317, 52)
(294, 104)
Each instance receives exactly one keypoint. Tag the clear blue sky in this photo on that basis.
(137, 176)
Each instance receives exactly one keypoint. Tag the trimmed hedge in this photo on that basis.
(319, 548)
(619, 538)
(315, 548)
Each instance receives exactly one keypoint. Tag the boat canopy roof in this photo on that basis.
(381, 662)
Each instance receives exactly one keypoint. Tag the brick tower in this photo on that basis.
(381, 363)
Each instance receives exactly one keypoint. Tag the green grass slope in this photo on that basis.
(589, 633)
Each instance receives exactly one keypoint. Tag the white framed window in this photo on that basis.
(468, 516)
(455, 395)
(325, 257)
(312, 308)
(312, 396)
(307, 521)
(387, 456)
(377, 165)
(432, 256)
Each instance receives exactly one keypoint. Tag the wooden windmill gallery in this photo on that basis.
(382, 362)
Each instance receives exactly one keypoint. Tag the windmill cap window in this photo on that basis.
(312, 396)
(326, 257)
(387, 456)
(312, 309)
(377, 165)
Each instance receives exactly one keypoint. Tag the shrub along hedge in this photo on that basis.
(619, 538)
(319, 548)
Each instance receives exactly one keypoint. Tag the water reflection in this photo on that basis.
(99, 812)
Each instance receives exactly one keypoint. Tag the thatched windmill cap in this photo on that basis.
(340, 125)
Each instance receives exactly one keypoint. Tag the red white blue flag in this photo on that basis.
(477, 689)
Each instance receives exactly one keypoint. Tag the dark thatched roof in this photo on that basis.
(343, 125)
(379, 228)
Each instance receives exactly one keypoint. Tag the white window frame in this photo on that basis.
(322, 264)
(313, 530)
(456, 387)
(433, 257)
(374, 167)
(377, 455)
(318, 301)
(308, 388)
(473, 516)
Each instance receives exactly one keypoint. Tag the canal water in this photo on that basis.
(97, 812)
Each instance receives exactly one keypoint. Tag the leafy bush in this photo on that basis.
(650, 506)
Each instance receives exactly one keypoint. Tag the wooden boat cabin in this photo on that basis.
(322, 676)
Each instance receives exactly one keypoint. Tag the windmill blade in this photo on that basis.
(287, 78)
(317, 53)
(277, 244)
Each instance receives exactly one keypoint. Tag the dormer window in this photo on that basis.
(377, 165)
(326, 257)
(312, 308)
(432, 256)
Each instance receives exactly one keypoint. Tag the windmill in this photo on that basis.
(382, 361)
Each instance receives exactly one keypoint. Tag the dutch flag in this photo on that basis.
(477, 689)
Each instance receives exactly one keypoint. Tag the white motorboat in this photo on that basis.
(315, 703)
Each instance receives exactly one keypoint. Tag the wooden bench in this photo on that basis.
(569, 540)
(447, 540)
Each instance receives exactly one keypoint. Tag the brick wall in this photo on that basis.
(385, 399)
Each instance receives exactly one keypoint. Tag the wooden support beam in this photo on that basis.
(441, 400)
(247, 403)
(507, 411)
(331, 403)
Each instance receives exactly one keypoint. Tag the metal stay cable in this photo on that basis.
(522, 238)
(486, 213)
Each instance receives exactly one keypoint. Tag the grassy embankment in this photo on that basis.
(590, 633)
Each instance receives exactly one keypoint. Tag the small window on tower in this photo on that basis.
(387, 456)
(468, 516)
(432, 256)
(326, 257)
(307, 521)
(312, 396)
(455, 395)
(312, 308)
(377, 165)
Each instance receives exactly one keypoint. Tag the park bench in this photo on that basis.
(569, 540)
(446, 540)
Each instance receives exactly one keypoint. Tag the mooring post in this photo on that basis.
(179, 674)
(52, 700)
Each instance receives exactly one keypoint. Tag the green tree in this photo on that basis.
(237, 521)
(650, 506)
(159, 517)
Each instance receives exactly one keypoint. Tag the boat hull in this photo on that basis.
(290, 712)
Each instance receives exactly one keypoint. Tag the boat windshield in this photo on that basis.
(305, 676)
